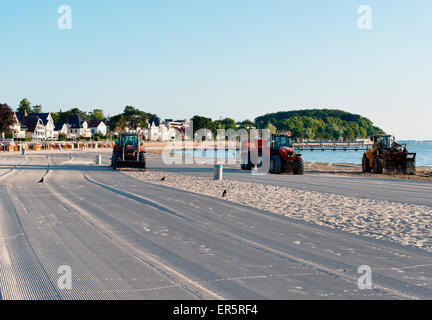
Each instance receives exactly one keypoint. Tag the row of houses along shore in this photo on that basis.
(41, 127)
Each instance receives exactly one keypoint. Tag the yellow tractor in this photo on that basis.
(387, 154)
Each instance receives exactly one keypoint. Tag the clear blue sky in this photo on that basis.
(225, 58)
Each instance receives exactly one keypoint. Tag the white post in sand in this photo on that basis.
(98, 160)
(218, 172)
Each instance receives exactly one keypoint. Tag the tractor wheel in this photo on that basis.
(249, 164)
(377, 166)
(142, 157)
(142, 160)
(244, 166)
(300, 167)
(116, 159)
(113, 158)
(381, 165)
(244, 159)
(365, 164)
(275, 164)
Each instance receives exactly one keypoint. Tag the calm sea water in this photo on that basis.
(423, 158)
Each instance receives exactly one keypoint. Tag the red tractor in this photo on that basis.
(283, 157)
(128, 152)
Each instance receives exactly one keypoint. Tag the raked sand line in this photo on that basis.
(407, 224)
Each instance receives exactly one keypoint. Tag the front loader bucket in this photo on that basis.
(401, 162)
(130, 164)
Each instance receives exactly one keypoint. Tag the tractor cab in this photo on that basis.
(283, 141)
(383, 141)
(129, 139)
(279, 140)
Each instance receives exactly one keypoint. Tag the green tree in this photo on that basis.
(217, 124)
(131, 117)
(200, 122)
(77, 112)
(271, 128)
(348, 133)
(97, 114)
(309, 133)
(319, 123)
(246, 124)
(37, 108)
(228, 123)
(56, 116)
(61, 116)
(24, 106)
(117, 122)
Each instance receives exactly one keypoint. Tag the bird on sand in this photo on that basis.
(224, 193)
(41, 180)
(163, 179)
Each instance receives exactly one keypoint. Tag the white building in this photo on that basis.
(78, 127)
(34, 127)
(165, 131)
(16, 128)
(151, 133)
(48, 122)
(98, 127)
(62, 128)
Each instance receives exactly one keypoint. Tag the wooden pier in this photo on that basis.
(334, 145)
